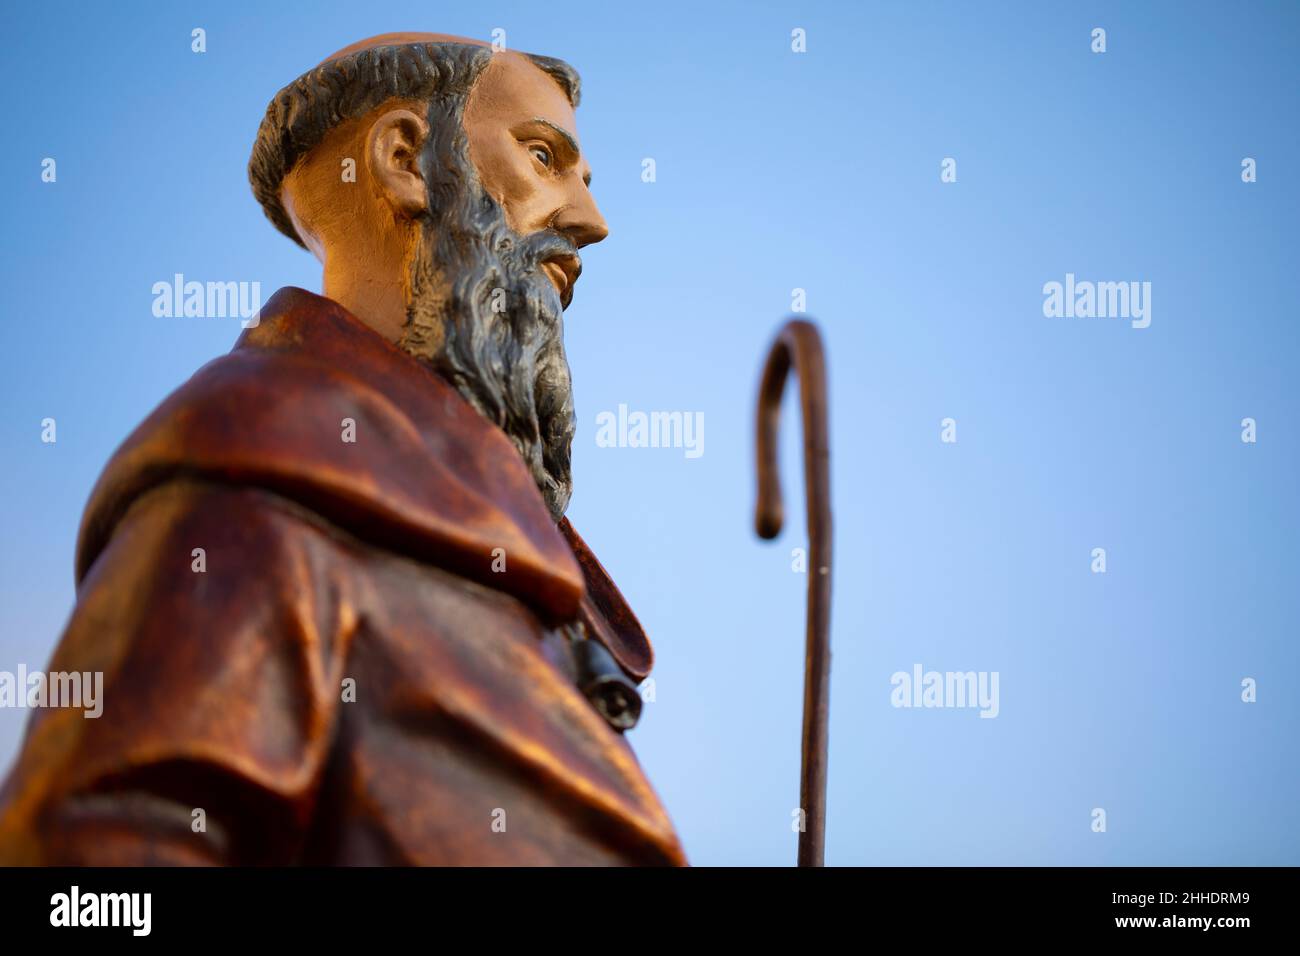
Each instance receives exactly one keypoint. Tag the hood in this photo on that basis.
(424, 475)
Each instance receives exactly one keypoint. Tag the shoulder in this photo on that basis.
(333, 418)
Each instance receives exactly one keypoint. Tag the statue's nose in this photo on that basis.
(581, 221)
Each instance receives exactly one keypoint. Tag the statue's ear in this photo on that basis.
(392, 153)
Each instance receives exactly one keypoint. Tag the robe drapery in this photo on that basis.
(322, 651)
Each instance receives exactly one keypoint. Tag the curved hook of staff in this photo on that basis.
(799, 345)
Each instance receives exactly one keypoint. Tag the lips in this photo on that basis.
(564, 272)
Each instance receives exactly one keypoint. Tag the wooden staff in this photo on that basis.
(799, 344)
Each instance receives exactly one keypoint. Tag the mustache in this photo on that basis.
(544, 245)
(537, 247)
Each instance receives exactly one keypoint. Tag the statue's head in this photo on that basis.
(442, 186)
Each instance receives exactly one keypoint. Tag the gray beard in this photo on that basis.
(486, 317)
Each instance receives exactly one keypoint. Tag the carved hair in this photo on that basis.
(300, 115)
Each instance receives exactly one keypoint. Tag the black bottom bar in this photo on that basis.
(331, 906)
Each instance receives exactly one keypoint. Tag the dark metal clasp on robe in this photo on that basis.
(602, 681)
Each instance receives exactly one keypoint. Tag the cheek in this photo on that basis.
(511, 177)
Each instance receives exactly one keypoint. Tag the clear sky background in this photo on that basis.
(820, 171)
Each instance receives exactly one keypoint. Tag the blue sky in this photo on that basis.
(820, 171)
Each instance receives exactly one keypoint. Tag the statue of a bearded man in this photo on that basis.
(340, 614)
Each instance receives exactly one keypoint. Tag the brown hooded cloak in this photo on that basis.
(374, 565)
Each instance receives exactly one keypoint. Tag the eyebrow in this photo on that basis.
(568, 137)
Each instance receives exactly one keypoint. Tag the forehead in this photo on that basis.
(513, 90)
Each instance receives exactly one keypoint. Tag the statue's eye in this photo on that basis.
(541, 154)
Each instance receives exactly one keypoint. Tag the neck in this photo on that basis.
(367, 270)
(377, 300)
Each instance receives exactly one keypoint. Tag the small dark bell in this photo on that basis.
(602, 681)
